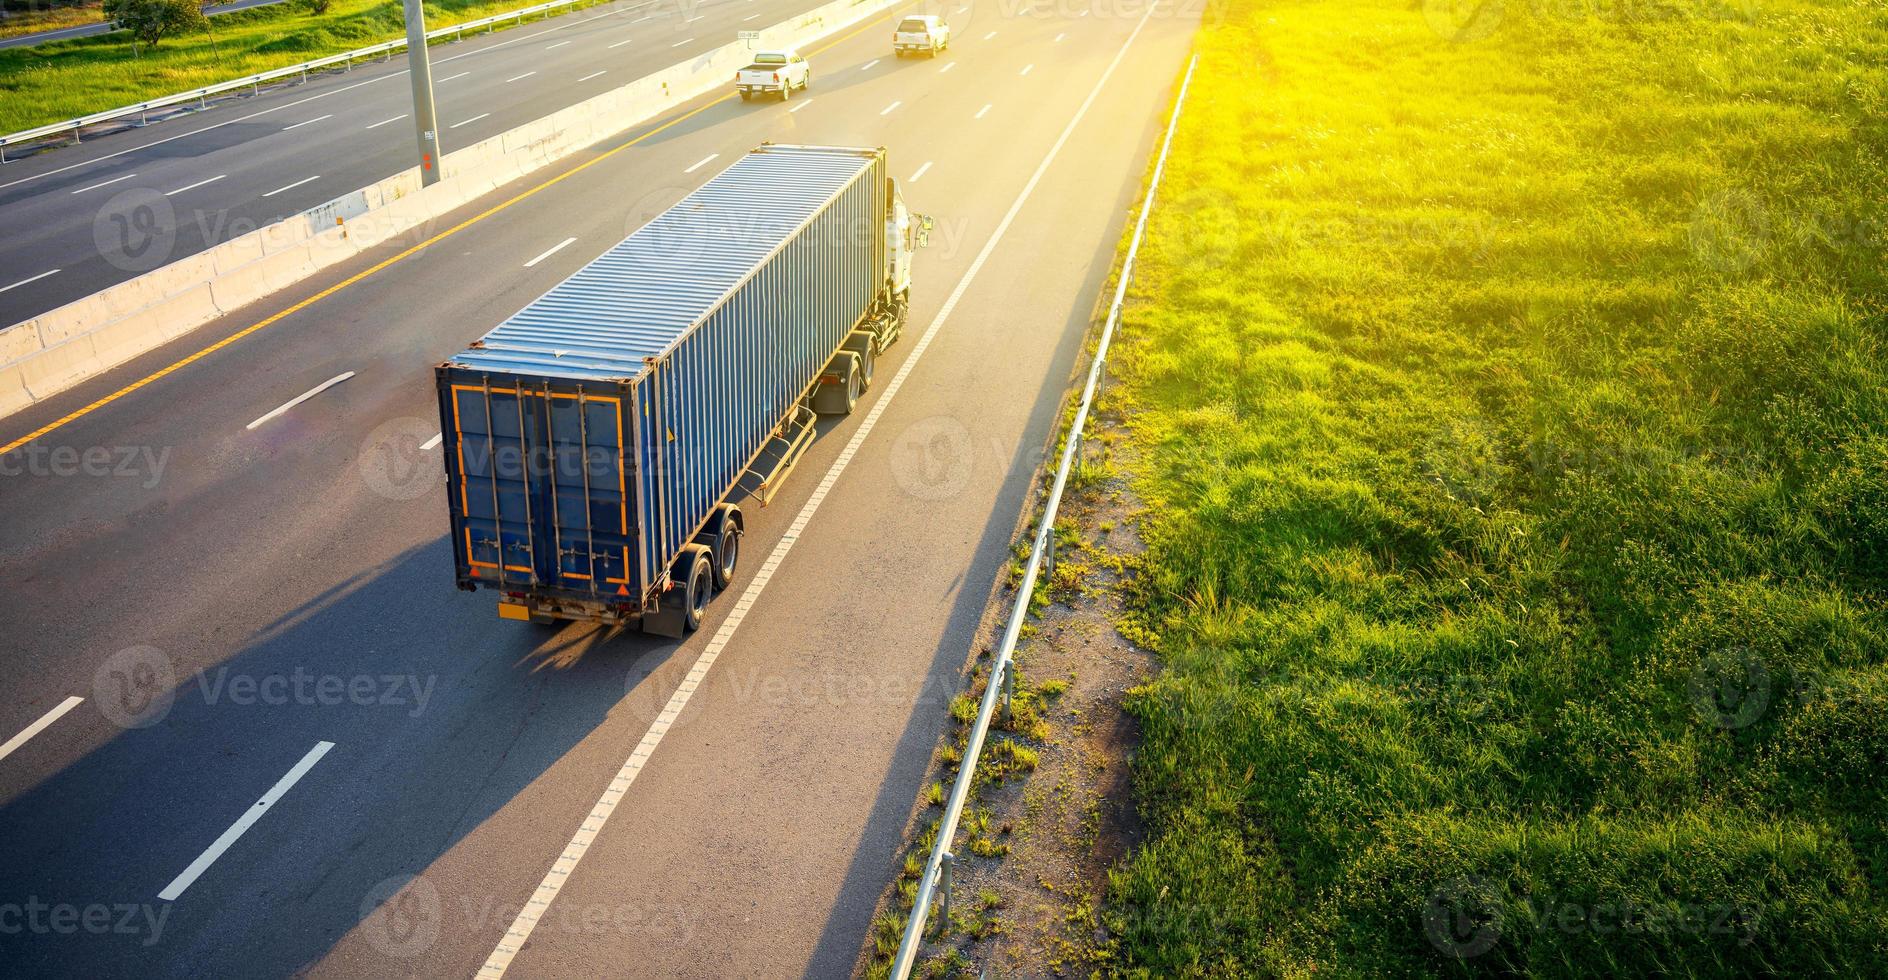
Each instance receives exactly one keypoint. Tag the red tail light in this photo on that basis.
(776, 76)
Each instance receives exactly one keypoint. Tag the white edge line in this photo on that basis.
(701, 163)
(39, 726)
(547, 253)
(28, 279)
(192, 187)
(243, 823)
(291, 187)
(304, 396)
(587, 831)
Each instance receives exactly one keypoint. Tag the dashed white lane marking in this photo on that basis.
(566, 863)
(96, 186)
(980, 112)
(243, 823)
(39, 726)
(519, 78)
(989, 35)
(290, 187)
(1027, 69)
(304, 396)
(453, 77)
(553, 47)
(1058, 38)
(697, 165)
(465, 122)
(30, 279)
(437, 438)
(797, 106)
(749, 17)
(868, 65)
(695, 18)
(888, 109)
(192, 187)
(593, 75)
(383, 122)
(680, 43)
(547, 253)
(307, 122)
(920, 172)
(947, 68)
(622, 42)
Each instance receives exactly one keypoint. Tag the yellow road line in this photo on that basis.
(384, 263)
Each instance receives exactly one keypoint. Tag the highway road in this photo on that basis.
(298, 749)
(84, 217)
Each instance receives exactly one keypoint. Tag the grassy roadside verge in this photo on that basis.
(45, 83)
(1510, 398)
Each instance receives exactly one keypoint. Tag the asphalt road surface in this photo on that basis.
(71, 215)
(298, 749)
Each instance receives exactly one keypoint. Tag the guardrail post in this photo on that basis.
(75, 136)
(944, 905)
(1009, 687)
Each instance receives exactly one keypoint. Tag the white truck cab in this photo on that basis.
(782, 71)
(927, 33)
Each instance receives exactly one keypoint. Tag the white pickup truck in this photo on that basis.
(773, 71)
(914, 34)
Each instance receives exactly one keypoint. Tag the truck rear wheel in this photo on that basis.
(840, 396)
(697, 584)
(860, 343)
(725, 530)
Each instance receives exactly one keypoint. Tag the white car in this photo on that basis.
(774, 71)
(914, 34)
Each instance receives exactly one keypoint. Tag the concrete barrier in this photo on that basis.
(65, 346)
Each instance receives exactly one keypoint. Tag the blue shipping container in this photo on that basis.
(593, 434)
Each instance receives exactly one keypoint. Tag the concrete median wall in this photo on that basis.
(65, 346)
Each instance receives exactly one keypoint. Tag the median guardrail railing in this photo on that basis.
(937, 870)
(254, 83)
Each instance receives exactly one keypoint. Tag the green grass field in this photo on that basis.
(45, 83)
(1510, 390)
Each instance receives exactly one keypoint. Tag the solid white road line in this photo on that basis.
(30, 279)
(868, 65)
(437, 438)
(533, 909)
(550, 47)
(680, 43)
(888, 109)
(981, 111)
(947, 67)
(701, 163)
(593, 75)
(1027, 69)
(452, 77)
(96, 186)
(291, 187)
(803, 103)
(39, 726)
(383, 122)
(192, 187)
(622, 42)
(474, 119)
(921, 170)
(519, 78)
(547, 253)
(243, 823)
(307, 122)
(310, 393)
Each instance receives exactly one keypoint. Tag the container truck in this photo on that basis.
(602, 439)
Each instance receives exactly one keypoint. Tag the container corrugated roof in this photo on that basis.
(649, 290)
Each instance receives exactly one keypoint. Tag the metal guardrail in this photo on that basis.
(254, 82)
(937, 870)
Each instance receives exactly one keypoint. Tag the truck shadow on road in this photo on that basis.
(440, 717)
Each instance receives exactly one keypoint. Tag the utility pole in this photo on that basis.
(420, 70)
